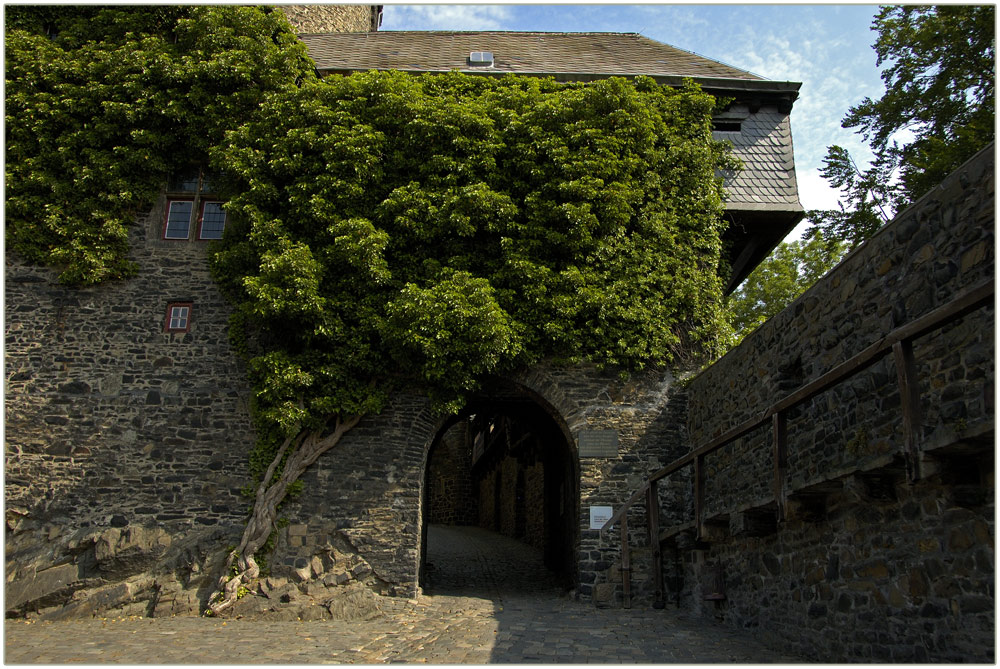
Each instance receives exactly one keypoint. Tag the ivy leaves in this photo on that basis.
(103, 103)
(389, 230)
(384, 229)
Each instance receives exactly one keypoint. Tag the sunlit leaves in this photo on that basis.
(449, 334)
(103, 103)
(392, 230)
(790, 270)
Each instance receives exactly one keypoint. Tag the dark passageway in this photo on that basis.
(501, 497)
(471, 561)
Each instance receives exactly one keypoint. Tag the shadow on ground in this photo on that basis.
(537, 620)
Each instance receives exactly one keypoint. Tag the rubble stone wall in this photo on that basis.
(308, 19)
(111, 422)
(867, 566)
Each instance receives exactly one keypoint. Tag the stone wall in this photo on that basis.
(332, 18)
(111, 422)
(936, 248)
(367, 491)
(114, 425)
(449, 496)
(866, 566)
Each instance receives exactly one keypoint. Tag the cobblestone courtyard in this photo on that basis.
(488, 600)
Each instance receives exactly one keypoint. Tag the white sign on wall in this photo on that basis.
(599, 515)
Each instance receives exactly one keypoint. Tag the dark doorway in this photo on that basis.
(503, 465)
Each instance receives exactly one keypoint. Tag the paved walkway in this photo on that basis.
(488, 600)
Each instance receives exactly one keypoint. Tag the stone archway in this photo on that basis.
(506, 464)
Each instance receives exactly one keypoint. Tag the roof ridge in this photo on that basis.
(520, 32)
(480, 32)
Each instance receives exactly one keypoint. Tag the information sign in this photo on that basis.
(598, 443)
(599, 515)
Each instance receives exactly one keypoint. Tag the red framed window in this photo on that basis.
(212, 221)
(178, 221)
(178, 317)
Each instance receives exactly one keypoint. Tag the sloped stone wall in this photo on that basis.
(866, 567)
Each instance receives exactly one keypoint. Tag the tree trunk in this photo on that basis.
(306, 447)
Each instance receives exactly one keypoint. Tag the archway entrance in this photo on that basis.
(501, 497)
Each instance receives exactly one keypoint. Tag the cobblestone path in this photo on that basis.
(488, 600)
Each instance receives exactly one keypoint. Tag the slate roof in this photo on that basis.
(594, 53)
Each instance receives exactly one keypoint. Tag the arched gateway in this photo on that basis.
(506, 463)
(510, 462)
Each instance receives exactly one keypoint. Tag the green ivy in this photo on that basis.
(389, 229)
(104, 103)
(385, 230)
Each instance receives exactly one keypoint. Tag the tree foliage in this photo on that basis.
(940, 84)
(104, 103)
(791, 269)
(389, 228)
(939, 73)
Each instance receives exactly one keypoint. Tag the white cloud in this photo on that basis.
(815, 192)
(445, 17)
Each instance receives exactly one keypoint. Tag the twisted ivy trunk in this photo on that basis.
(306, 447)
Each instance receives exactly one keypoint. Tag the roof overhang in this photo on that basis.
(753, 232)
(741, 88)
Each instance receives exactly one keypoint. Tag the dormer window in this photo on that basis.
(481, 58)
(726, 126)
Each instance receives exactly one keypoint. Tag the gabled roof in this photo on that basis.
(549, 53)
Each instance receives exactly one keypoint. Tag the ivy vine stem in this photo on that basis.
(308, 447)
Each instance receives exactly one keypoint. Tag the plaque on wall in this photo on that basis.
(598, 443)
(599, 515)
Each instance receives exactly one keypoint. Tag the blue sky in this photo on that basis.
(825, 47)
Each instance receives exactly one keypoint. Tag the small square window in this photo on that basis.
(213, 220)
(178, 224)
(178, 317)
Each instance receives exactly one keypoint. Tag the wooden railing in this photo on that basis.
(899, 342)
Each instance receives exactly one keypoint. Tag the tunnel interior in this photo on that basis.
(505, 465)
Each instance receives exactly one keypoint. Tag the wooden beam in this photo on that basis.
(699, 497)
(780, 428)
(964, 303)
(620, 513)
